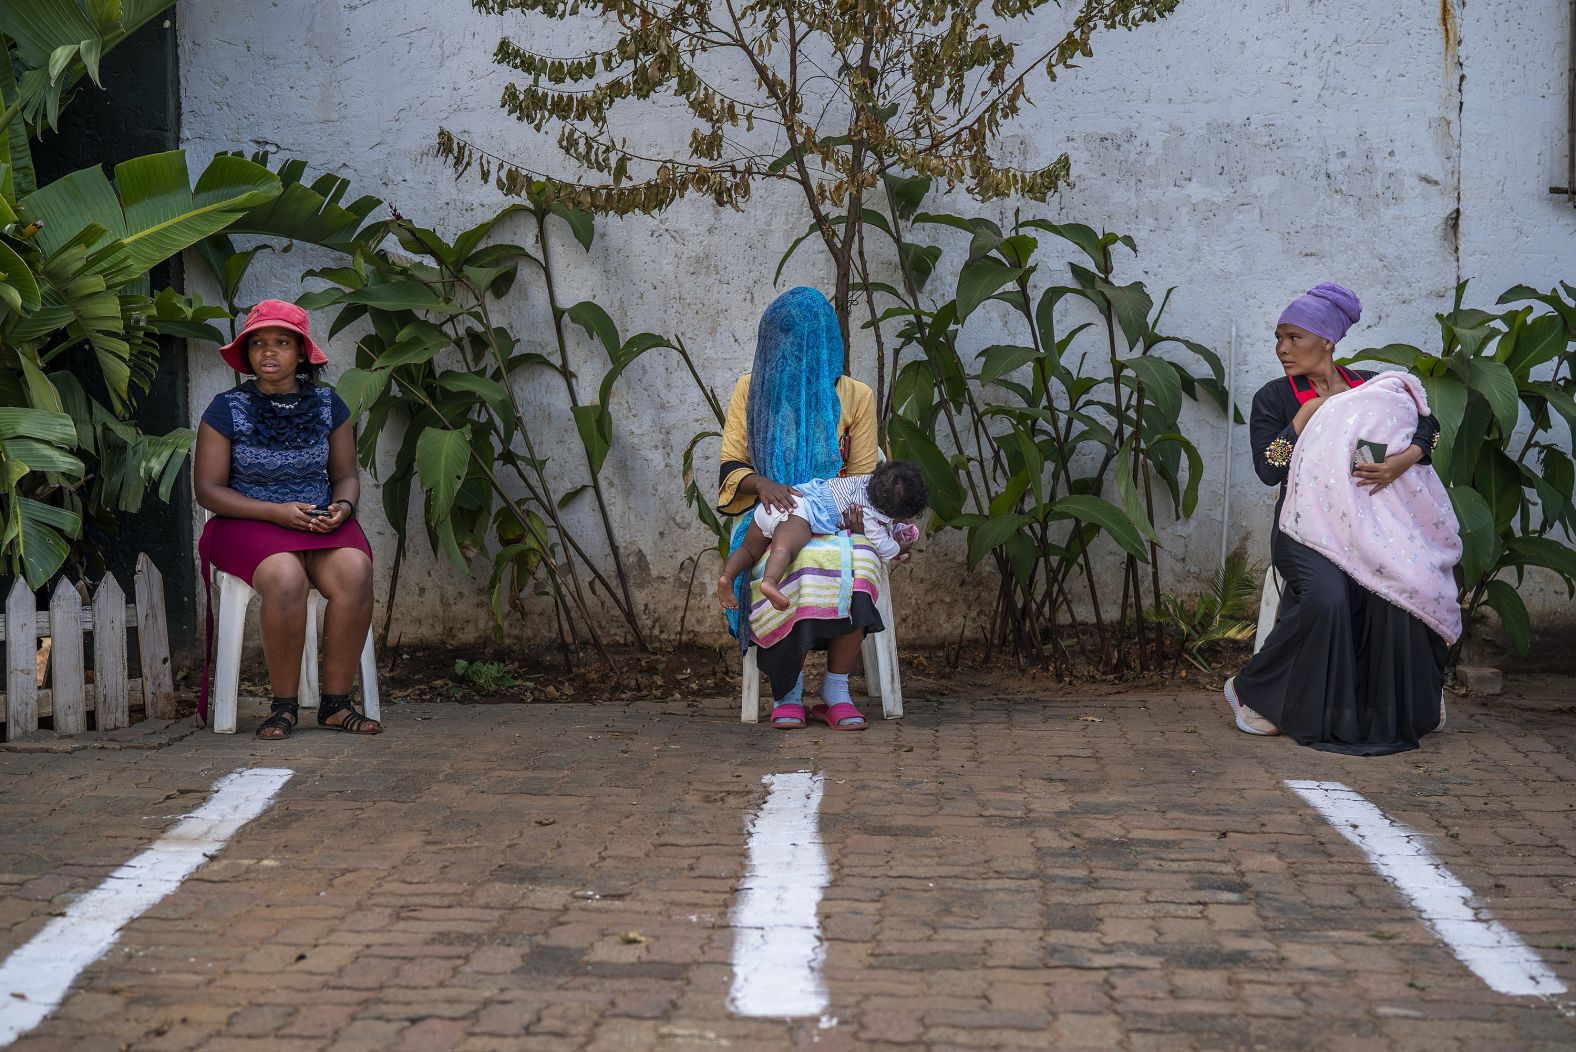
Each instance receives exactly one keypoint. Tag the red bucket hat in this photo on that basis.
(272, 314)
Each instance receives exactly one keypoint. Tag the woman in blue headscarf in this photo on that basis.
(795, 417)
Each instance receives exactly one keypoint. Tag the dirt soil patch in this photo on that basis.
(491, 676)
(674, 675)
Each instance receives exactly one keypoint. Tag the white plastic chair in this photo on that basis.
(1269, 607)
(234, 597)
(883, 680)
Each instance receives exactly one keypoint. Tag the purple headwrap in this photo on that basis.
(1326, 310)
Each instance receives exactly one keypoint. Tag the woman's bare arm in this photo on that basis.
(344, 478)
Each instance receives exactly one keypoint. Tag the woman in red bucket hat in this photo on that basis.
(276, 464)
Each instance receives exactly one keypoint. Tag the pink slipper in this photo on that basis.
(837, 716)
(788, 716)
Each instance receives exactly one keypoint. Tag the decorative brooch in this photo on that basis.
(1278, 453)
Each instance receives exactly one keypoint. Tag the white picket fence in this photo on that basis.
(68, 624)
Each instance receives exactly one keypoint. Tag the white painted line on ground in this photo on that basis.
(1493, 952)
(777, 946)
(35, 978)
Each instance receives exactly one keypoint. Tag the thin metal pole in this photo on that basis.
(1570, 124)
(1568, 191)
(1231, 413)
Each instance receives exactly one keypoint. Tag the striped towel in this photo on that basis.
(819, 585)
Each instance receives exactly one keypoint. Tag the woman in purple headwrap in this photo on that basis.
(1343, 670)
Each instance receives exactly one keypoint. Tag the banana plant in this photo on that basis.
(314, 213)
(1503, 386)
(53, 44)
(79, 323)
(79, 336)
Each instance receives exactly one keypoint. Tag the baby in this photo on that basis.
(892, 497)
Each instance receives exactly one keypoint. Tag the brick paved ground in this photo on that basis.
(1118, 872)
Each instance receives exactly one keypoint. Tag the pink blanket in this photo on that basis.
(1400, 544)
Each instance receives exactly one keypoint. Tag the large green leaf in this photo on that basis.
(1498, 479)
(979, 280)
(313, 213)
(39, 543)
(1512, 613)
(1541, 340)
(1479, 536)
(485, 388)
(911, 443)
(1402, 354)
(1471, 438)
(156, 215)
(1132, 305)
(79, 305)
(595, 425)
(1545, 552)
(1127, 488)
(1094, 245)
(634, 348)
(1558, 397)
(993, 532)
(397, 293)
(1100, 512)
(29, 454)
(1447, 400)
(581, 224)
(359, 388)
(906, 193)
(442, 460)
(1558, 475)
(1160, 384)
(919, 261)
(1498, 387)
(41, 424)
(596, 322)
(1001, 360)
(1195, 468)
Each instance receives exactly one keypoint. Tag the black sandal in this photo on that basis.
(283, 714)
(354, 722)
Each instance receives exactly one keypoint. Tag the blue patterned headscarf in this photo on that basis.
(793, 407)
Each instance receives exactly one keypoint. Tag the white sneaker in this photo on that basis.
(1248, 721)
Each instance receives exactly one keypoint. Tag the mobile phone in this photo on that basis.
(1369, 452)
(318, 511)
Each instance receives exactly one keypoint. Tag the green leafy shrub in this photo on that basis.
(1500, 386)
(486, 675)
(437, 363)
(1224, 612)
(1038, 447)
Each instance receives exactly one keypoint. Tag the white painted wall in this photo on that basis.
(1252, 149)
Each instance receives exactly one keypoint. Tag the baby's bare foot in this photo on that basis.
(774, 594)
(725, 594)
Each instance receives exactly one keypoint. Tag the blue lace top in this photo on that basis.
(278, 443)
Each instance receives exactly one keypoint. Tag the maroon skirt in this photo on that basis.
(237, 546)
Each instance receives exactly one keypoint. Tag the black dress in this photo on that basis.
(1343, 670)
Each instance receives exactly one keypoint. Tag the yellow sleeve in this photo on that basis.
(735, 459)
(859, 422)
